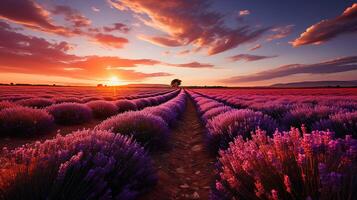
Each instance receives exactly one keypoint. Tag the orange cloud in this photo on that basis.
(343, 64)
(20, 53)
(110, 40)
(161, 41)
(184, 25)
(248, 57)
(255, 47)
(34, 16)
(280, 32)
(329, 28)
(193, 65)
(244, 12)
(117, 27)
(73, 16)
(30, 14)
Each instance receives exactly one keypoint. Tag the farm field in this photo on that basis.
(167, 143)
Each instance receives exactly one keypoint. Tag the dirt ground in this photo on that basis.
(186, 170)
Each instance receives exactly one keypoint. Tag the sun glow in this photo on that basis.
(113, 81)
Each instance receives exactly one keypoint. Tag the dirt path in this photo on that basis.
(186, 170)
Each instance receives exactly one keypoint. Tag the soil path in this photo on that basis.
(185, 171)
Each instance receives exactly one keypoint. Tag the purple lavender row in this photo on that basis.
(44, 97)
(86, 164)
(224, 123)
(24, 121)
(150, 126)
(289, 165)
(315, 113)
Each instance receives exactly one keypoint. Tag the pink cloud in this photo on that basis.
(193, 65)
(95, 9)
(183, 25)
(117, 27)
(248, 57)
(329, 28)
(244, 12)
(343, 64)
(280, 32)
(183, 52)
(162, 41)
(30, 14)
(72, 15)
(255, 47)
(110, 40)
(20, 53)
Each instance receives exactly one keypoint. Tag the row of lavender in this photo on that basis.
(261, 163)
(77, 94)
(43, 99)
(103, 163)
(18, 120)
(320, 112)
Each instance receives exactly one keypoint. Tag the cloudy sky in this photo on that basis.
(228, 42)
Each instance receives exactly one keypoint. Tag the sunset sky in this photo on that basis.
(227, 42)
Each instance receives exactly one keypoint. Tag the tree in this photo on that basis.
(175, 83)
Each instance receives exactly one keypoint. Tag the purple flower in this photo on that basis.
(146, 128)
(246, 169)
(23, 121)
(96, 165)
(70, 113)
(35, 102)
(102, 109)
(223, 128)
(125, 105)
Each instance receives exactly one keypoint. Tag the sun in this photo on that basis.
(113, 81)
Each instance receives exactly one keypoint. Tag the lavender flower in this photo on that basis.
(85, 165)
(102, 109)
(36, 102)
(223, 128)
(7, 104)
(70, 113)
(268, 167)
(125, 105)
(146, 128)
(23, 121)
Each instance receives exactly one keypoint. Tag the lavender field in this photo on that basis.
(172, 143)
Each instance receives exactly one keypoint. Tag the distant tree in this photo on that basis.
(175, 83)
(100, 85)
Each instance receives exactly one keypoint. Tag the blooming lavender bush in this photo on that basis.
(223, 128)
(23, 121)
(82, 165)
(306, 115)
(209, 105)
(6, 104)
(164, 112)
(102, 109)
(125, 105)
(67, 99)
(36, 102)
(146, 128)
(141, 103)
(341, 123)
(88, 99)
(70, 113)
(288, 166)
(214, 112)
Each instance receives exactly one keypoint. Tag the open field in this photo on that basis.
(167, 143)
